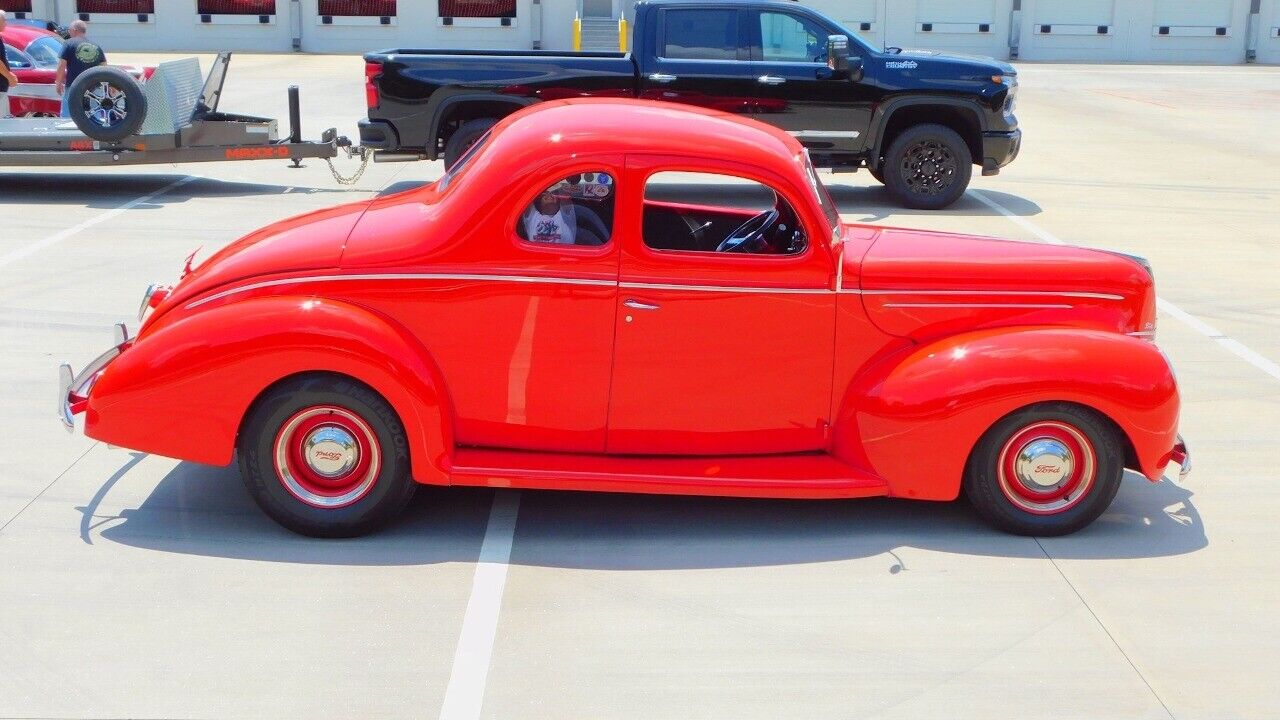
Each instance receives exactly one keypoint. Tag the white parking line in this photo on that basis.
(27, 250)
(1233, 346)
(465, 694)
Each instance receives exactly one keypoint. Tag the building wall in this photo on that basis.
(1179, 31)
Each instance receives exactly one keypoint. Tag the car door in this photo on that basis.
(716, 353)
(798, 92)
(700, 58)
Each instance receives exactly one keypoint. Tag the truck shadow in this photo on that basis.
(872, 203)
(206, 511)
(110, 191)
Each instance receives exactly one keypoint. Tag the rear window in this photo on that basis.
(462, 163)
(701, 34)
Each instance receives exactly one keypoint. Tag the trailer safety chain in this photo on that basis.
(364, 154)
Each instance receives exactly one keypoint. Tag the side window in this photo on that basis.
(701, 34)
(787, 38)
(577, 210)
(704, 212)
(15, 58)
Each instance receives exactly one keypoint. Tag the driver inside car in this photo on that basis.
(552, 219)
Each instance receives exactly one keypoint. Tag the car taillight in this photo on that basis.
(371, 71)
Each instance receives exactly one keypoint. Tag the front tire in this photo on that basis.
(325, 456)
(1045, 470)
(927, 167)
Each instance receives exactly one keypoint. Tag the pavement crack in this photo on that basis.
(1110, 637)
(33, 500)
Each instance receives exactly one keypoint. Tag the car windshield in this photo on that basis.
(462, 163)
(45, 51)
(824, 197)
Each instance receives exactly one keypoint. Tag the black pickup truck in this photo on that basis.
(918, 120)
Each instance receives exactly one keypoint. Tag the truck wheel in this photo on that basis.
(325, 456)
(107, 104)
(1045, 470)
(927, 167)
(463, 138)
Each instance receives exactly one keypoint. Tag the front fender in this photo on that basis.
(183, 387)
(914, 418)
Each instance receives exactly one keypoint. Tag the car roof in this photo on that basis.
(20, 36)
(629, 126)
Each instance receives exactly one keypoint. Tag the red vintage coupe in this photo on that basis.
(629, 296)
(33, 55)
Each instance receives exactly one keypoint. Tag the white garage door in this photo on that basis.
(865, 18)
(1187, 31)
(972, 26)
(1269, 32)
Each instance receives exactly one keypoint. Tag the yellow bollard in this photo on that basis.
(577, 33)
(622, 34)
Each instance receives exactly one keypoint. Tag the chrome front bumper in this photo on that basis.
(73, 389)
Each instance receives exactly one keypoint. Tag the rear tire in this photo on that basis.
(463, 138)
(927, 167)
(1045, 470)
(325, 456)
(107, 104)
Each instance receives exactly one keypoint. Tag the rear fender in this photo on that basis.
(184, 386)
(914, 418)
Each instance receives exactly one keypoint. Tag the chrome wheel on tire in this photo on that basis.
(327, 456)
(1046, 467)
(105, 104)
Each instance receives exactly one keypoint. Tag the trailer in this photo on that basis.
(180, 124)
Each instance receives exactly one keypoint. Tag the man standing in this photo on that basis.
(7, 77)
(78, 55)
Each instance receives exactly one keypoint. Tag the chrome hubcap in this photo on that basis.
(330, 451)
(1044, 464)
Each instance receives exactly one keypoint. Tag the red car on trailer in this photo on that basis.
(536, 319)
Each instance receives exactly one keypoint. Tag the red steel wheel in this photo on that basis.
(1048, 469)
(327, 456)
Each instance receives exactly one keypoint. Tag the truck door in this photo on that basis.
(699, 57)
(797, 91)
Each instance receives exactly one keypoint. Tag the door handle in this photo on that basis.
(638, 305)
(770, 80)
(662, 78)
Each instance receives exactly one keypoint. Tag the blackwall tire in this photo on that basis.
(107, 104)
(325, 456)
(463, 138)
(1045, 470)
(927, 167)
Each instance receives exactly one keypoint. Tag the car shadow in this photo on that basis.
(110, 191)
(202, 510)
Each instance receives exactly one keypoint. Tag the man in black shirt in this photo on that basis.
(78, 55)
(7, 77)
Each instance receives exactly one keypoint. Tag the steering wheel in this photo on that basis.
(748, 233)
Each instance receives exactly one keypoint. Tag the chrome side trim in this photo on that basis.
(724, 288)
(533, 279)
(1000, 293)
(1016, 306)
(403, 276)
(120, 333)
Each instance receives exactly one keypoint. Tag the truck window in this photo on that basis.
(700, 34)
(787, 38)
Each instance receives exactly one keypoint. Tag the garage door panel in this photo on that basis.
(1080, 12)
(1193, 13)
(1269, 32)
(956, 12)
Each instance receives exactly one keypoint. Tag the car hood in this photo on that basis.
(977, 65)
(920, 284)
(309, 242)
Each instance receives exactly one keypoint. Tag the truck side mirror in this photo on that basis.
(838, 60)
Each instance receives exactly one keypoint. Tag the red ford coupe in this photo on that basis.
(624, 296)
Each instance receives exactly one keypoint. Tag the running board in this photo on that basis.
(809, 475)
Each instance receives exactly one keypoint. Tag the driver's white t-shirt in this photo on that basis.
(559, 228)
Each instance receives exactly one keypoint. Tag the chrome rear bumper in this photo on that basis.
(73, 389)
